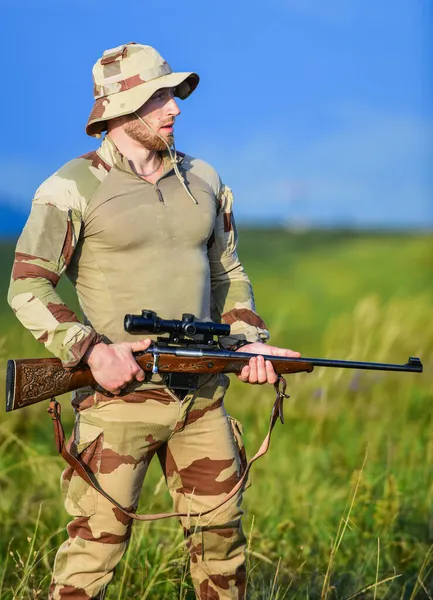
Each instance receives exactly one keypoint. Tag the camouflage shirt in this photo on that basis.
(126, 244)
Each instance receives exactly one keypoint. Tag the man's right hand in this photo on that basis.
(113, 366)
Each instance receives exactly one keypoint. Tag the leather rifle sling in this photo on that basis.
(89, 477)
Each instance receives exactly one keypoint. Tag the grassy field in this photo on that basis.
(342, 506)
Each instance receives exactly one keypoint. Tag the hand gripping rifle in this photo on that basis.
(189, 351)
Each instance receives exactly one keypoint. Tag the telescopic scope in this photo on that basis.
(149, 322)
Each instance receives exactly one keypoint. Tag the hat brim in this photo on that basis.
(128, 101)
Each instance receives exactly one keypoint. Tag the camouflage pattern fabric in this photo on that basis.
(125, 77)
(201, 453)
(124, 250)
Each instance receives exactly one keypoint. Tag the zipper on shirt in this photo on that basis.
(159, 193)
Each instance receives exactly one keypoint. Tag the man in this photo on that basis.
(137, 225)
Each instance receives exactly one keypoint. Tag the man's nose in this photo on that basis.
(172, 107)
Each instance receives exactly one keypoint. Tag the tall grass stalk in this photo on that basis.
(425, 570)
(377, 568)
(373, 586)
(344, 522)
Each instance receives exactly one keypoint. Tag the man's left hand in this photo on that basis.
(258, 369)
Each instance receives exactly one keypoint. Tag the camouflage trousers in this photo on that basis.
(202, 457)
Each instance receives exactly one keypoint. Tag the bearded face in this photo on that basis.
(137, 131)
(152, 123)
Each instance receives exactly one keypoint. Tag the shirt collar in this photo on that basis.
(109, 152)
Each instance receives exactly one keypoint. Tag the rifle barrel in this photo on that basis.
(414, 365)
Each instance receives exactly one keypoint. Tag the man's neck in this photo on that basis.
(142, 159)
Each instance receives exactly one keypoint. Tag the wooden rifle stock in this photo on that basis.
(32, 380)
(29, 381)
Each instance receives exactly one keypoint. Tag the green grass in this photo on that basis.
(342, 505)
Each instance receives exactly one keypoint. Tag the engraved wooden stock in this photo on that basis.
(29, 381)
(32, 380)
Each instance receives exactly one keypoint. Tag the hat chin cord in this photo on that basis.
(173, 156)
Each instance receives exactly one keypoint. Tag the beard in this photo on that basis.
(144, 136)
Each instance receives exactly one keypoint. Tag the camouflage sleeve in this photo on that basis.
(232, 299)
(43, 253)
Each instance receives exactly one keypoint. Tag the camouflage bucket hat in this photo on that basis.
(126, 77)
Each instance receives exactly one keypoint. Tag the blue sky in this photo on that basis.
(313, 111)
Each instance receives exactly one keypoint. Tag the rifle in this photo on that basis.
(189, 351)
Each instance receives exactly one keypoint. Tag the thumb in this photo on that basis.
(138, 346)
